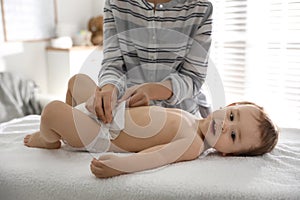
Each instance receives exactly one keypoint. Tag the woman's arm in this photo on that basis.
(182, 149)
(111, 78)
(112, 65)
(188, 80)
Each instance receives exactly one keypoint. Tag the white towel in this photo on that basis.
(32, 173)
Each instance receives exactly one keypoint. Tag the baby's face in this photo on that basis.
(234, 129)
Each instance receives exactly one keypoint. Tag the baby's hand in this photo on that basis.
(103, 167)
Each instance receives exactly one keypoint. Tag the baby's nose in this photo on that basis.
(224, 127)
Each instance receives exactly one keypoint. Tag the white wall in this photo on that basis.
(28, 59)
(98, 7)
(74, 15)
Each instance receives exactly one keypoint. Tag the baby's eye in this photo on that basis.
(231, 116)
(233, 135)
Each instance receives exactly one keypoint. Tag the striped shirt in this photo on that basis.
(144, 45)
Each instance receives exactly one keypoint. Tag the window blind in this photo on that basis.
(228, 51)
(283, 60)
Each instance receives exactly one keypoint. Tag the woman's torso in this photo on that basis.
(154, 44)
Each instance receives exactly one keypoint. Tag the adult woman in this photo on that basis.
(155, 53)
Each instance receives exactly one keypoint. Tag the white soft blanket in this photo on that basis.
(29, 173)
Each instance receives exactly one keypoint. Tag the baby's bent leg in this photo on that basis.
(60, 120)
(80, 88)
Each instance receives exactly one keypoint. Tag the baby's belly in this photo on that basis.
(146, 127)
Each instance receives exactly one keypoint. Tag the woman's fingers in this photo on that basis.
(141, 102)
(107, 108)
(98, 106)
(105, 100)
(129, 92)
(139, 99)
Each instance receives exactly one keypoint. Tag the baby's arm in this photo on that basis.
(182, 149)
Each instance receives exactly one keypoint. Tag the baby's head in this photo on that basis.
(242, 129)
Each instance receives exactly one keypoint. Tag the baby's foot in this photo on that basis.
(35, 140)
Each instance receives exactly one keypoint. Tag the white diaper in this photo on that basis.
(107, 132)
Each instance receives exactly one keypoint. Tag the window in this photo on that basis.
(256, 48)
(229, 45)
(27, 20)
(282, 60)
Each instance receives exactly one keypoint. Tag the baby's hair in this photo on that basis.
(269, 133)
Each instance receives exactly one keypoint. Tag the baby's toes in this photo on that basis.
(26, 138)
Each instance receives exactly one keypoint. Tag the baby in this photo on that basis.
(156, 136)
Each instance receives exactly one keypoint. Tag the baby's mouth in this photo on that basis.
(213, 127)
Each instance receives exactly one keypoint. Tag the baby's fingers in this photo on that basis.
(97, 163)
(97, 168)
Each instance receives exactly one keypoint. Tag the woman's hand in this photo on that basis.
(103, 102)
(140, 95)
(137, 95)
(103, 167)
